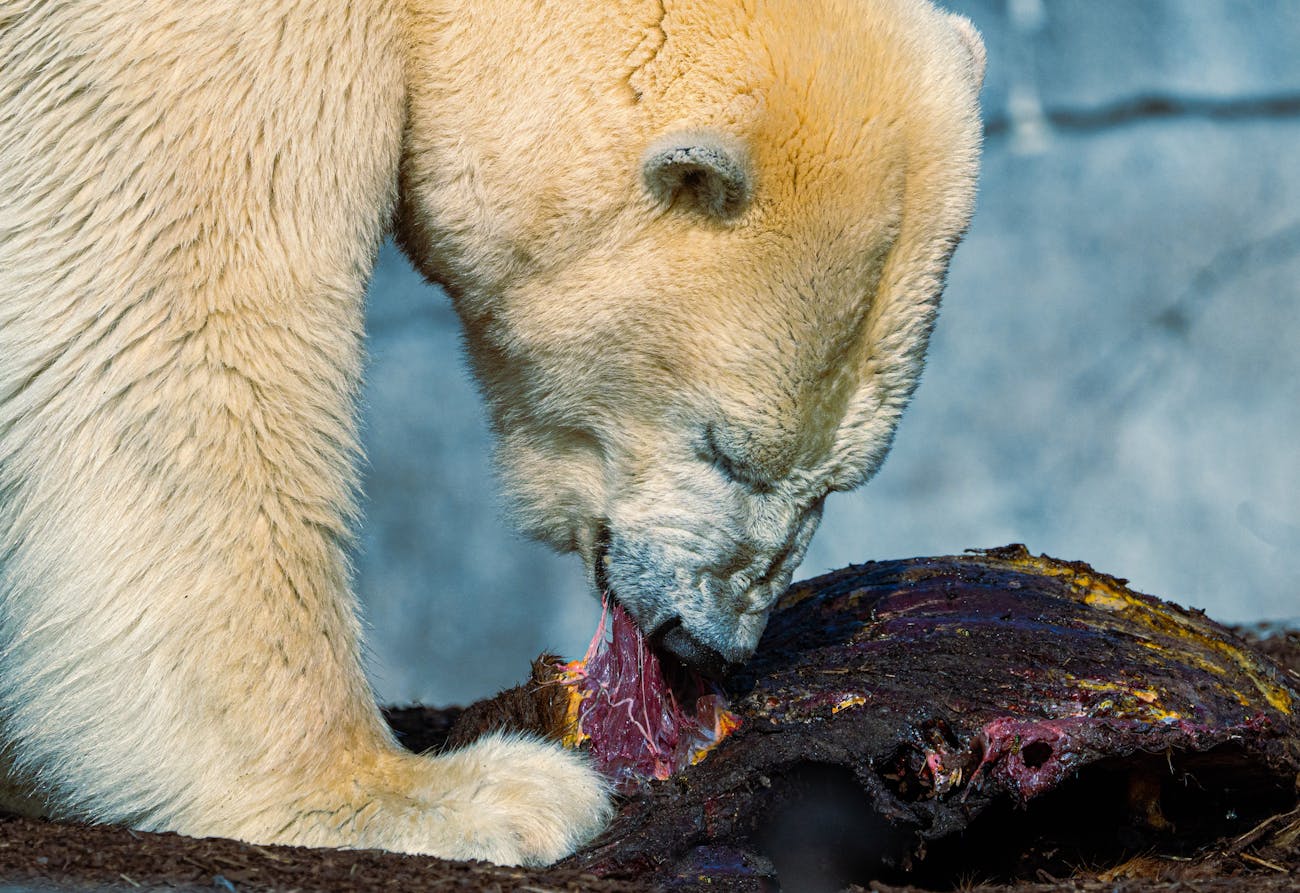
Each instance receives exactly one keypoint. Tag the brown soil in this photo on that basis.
(792, 781)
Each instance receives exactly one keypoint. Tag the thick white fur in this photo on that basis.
(621, 339)
(191, 197)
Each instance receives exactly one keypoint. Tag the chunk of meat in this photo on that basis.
(636, 722)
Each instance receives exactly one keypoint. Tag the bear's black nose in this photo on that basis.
(682, 646)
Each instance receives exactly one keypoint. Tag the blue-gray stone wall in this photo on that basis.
(1115, 376)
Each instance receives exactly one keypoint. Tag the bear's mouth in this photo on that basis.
(681, 679)
(670, 640)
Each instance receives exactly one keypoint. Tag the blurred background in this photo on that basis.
(1115, 376)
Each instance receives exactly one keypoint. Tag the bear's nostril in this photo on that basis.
(796, 538)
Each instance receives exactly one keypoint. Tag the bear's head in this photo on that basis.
(697, 248)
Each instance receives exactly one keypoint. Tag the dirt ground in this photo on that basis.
(41, 855)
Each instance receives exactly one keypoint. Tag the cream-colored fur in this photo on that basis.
(677, 386)
(191, 198)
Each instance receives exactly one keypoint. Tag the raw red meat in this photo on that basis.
(635, 724)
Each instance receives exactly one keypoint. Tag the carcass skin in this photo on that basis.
(948, 688)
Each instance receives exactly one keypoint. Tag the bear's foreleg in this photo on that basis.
(192, 204)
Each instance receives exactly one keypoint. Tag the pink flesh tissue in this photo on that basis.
(635, 728)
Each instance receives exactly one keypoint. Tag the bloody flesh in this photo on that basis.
(635, 725)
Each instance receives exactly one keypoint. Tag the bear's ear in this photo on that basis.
(709, 170)
(970, 38)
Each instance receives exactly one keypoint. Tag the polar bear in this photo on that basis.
(697, 247)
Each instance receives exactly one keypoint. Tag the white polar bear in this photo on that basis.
(697, 246)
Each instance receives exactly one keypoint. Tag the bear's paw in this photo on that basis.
(508, 799)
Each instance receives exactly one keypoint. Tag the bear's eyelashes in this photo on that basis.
(708, 170)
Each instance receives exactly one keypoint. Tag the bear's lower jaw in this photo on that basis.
(677, 643)
(698, 582)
